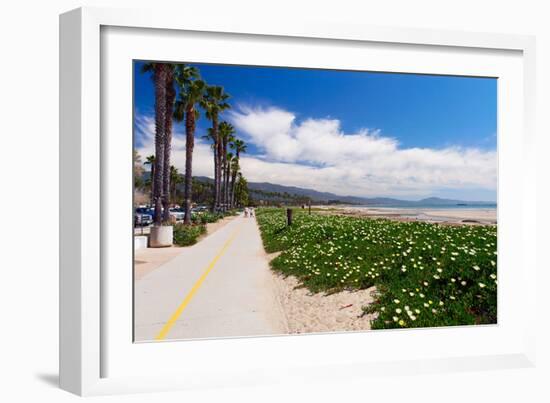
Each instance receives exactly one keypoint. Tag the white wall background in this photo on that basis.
(29, 254)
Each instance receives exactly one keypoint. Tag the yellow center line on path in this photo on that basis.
(168, 325)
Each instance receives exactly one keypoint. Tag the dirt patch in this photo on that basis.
(148, 259)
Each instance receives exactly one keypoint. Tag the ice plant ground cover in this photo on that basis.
(425, 274)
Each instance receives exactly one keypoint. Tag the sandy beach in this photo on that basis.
(305, 312)
(483, 216)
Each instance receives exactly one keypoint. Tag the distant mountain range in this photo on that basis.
(271, 191)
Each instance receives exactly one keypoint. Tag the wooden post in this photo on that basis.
(288, 216)
(309, 207)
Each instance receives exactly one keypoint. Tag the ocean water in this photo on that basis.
(418, 206)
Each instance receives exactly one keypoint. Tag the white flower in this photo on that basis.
(463, 282)
(481, 285)
(395, 318)
(398, 310)
(476, 268)
(396, 301)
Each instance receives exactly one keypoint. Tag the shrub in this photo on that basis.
(185, 235)
(208, 217)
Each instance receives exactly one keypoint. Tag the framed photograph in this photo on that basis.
(238, 197)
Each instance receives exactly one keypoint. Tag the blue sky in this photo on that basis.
(362, 133)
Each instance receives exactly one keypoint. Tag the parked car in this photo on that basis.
(200, 209)
(177, 213)
(142, 219)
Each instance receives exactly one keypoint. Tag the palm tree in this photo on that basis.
(210, 136)
(240, 147)
(226, 131)
(241, 190)
(138, 170)
(235, 168)
(191, 91)
(170, 98)
(215, 102)
(229, 161)
(159, 74)
(175, 180)
(150, 160)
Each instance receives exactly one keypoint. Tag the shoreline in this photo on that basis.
(453, 216)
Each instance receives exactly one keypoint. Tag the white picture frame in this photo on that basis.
(90, 344)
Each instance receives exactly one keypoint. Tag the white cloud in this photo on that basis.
(316, 153)
(203, 162)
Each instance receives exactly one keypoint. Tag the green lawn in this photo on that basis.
(425, 274)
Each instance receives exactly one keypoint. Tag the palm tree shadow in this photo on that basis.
(49, 379)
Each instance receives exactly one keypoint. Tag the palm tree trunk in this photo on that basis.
(219, 161)
(173, 184)
(233, 179)
(152, 179)
(227, 173)
(170, 97)
(160, 122)
(222, 189)
(224, 167)
(214, 202)
(189, 145)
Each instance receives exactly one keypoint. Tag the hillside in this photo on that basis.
(279, 193)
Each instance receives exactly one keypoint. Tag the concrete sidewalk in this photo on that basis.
(220, 287)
